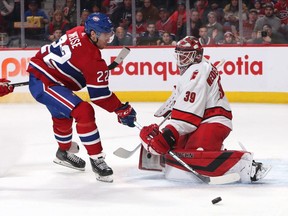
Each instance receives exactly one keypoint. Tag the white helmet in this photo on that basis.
(188, 51)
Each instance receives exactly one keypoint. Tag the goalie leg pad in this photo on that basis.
(216, 163)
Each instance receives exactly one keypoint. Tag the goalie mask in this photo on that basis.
(188, 51)
(101, 25)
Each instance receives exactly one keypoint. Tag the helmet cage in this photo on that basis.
(185, 58)
(188, 51)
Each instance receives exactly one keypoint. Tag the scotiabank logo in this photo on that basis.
(242, 66)
(12, 67)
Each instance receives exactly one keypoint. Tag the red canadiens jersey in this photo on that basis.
(200, 99)
(75, 62)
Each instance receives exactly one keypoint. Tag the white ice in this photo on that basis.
(31, 184)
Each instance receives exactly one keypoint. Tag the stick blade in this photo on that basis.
(225, 179)
(122, 55)
(123, 153)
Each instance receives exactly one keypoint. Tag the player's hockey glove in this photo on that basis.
(126, 115)
(160, 142)
(5, 88)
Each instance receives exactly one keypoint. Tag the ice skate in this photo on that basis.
(259, 171)
(102, 171)
(65, 158)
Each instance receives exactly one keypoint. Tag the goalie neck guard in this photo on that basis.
(188, 51)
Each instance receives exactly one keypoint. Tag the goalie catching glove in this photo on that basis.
(126, 115)
(157, 142)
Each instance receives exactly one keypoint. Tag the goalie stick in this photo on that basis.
(124, 153)
(121, 56)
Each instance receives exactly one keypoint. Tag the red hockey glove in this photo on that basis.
(126, 115)
(160, 142)
(5, 88)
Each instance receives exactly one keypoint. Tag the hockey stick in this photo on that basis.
(124, 153)
(121, 56)
(225, 179)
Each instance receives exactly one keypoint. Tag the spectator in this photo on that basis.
(84, 15)
(56, 34)
(229, 39)
(141, 25)
(215, 29)
(269, 18)
(249, 24)
(259, 8)
(121, 38)
(122, 16)
(165, 23)
(6, 7)
(33, 12)
(149, 37)
(202, 7)
(213, 6)
(179, 16)
(14, 16)
(268, 36)
(204, 39)
(281, 11)
(195, 24)
(231, 16)
(96, 7)
(112, 5)
(58, 22)
(166, 40)
(150, 12)
(70, 13)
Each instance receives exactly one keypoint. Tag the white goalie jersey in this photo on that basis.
(199, 98)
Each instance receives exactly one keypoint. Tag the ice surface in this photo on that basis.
(31, 184)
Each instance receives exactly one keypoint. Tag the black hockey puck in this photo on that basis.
(216, 200)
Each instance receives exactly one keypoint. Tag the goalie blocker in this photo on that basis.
(207, 163)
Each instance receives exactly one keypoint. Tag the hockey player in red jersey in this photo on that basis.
(70, 64)
(5, 88)
(201, 119)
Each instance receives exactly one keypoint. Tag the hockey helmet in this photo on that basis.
(99, 23)
(188, 51)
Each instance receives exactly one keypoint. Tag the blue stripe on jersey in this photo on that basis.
(90, 138)
(68, 70)
(98, 92)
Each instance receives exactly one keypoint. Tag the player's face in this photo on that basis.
(103, 39)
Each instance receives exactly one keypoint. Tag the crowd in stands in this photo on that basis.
(158, 22)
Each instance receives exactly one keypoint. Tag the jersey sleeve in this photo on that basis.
(97, 81)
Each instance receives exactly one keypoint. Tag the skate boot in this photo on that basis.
(259, 171)
(102, 171)
(68, 159)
